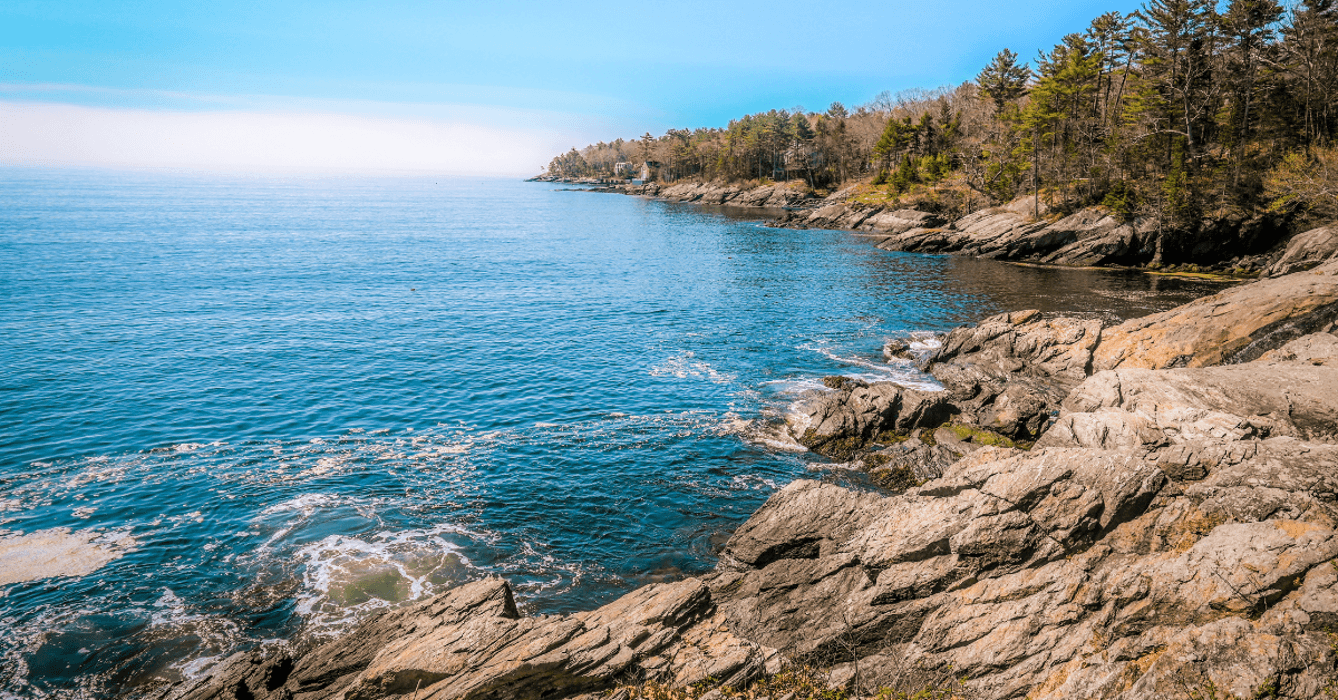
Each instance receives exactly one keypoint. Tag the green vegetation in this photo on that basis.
(980, 436)
(1181, 112)
(802, 683)
(842, 448)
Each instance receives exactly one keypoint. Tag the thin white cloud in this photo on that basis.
(44, 133)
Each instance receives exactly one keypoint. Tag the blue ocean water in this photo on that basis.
(287, 402)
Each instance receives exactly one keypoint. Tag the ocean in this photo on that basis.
(260, 408)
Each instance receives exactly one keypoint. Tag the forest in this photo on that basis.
(1182, 111)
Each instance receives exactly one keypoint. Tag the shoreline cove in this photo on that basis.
(1087, 509)
(378, 413)
(1019, 232)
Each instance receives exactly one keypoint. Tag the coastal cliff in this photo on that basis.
(1171, 532)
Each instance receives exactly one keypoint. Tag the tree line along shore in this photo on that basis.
(1185, 118)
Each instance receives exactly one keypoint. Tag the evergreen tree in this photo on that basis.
(1003, 80)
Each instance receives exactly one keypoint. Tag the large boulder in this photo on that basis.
(1009, 373)
(1135, 408)
(842, 422)
(1235, 325)
(1094, 237)
(898, 221)
(1305, 251)
(993, 232)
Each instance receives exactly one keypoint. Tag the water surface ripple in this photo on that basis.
(288, 402)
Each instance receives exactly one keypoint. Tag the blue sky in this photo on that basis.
(460, 86)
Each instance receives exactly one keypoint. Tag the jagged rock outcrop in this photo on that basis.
(1134, 408)
(1088, 237)
(899, 221)
(1093, 237)
(839, 423)
(767, 196)
(471, 642)
(1009, 373)
(1064, 572)
(1235, 325)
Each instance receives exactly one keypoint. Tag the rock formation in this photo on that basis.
(1173, 533)
(1306, 250)
(471, 642)
(1234, 325)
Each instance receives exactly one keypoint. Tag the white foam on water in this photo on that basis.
(344, 577)
(213, 635)
(769, 433)
(305, 504)
(752, 482)
(549, 575)
(60, 552)
(796, 386)
(324, 465)
(925, 341)
(685, 365)
(900, 373)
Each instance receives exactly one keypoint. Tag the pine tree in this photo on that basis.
(1003, 80)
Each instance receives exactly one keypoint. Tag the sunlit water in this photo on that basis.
(306, 399)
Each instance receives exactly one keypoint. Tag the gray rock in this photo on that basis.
(899, 221)
(897, 349)
(1061, 573)
(1315, 349)
(1135, 408)
(840, 423)
(1093, 237)
(470, 642)
(1305, 251)
(1009, 372)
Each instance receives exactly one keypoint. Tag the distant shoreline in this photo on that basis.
(1092, 237)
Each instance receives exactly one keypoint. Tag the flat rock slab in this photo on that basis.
(1235, 325)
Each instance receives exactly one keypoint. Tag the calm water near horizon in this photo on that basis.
(293, 401)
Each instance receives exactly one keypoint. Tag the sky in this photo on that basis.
(479, 88)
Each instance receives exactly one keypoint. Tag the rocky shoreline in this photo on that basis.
(1025, 230)
(1172, 529)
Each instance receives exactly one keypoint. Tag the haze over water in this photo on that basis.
(293, 401)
